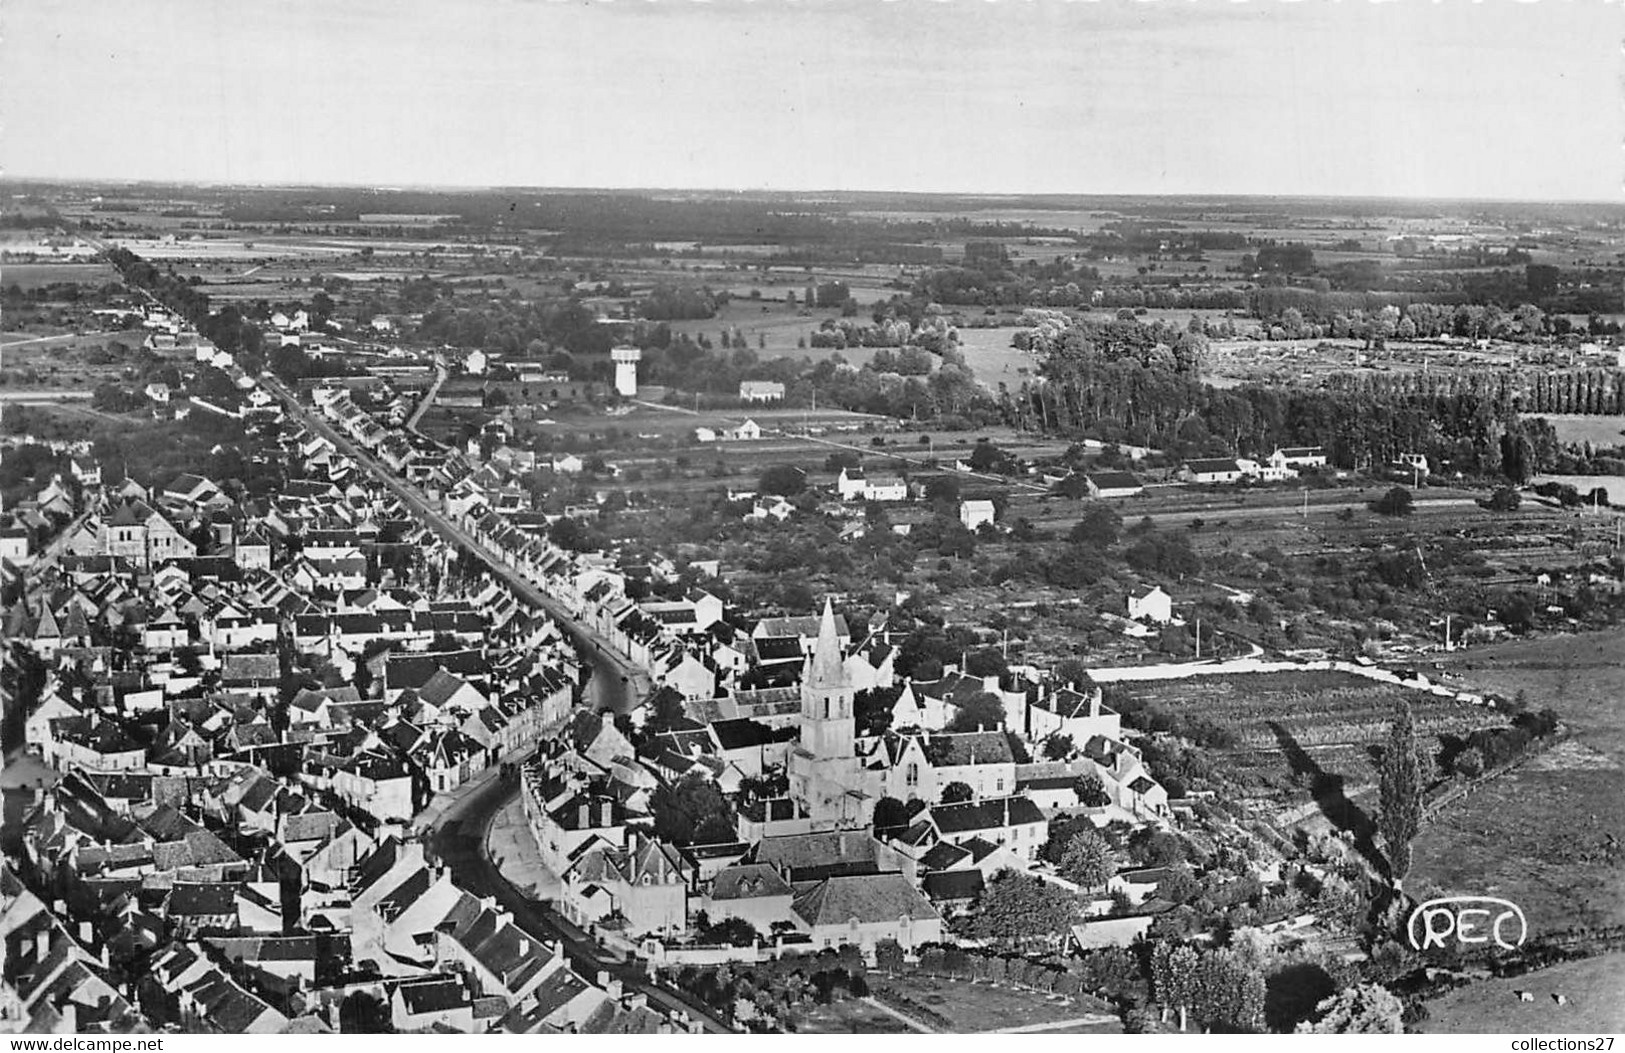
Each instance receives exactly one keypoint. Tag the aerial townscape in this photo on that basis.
(541, 611)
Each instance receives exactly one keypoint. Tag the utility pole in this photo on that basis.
(1448, 645)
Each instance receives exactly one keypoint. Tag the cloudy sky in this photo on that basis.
(1501, 99)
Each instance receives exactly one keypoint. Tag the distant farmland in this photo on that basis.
(29, 276)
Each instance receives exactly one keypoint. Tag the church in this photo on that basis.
(823, 766)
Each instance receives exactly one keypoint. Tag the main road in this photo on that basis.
(458, 835)
(615, 684)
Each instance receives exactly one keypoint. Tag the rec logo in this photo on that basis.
(1452, 917)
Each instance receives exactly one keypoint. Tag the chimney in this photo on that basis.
(603, 979)
(1094, 703)
(585, 816)
(637, 1001)
(87, 933)
(613, 988)
(42, 944)
(524, 947)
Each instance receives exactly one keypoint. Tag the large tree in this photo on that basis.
(692, 811)
(1021, 908)
(1229, 996)
(1365, 1009)
(1088, 860)
(666, 710)
(1400, 786)
(784, 480)
(1176, 979)
(979, 711)
(1099, 526)
(1517, 457)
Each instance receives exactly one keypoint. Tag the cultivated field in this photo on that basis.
(1295, 730)
(67, 361)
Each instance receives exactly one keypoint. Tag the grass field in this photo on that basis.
(1595, 988)
(993, 360)
(850, 1017)
(1540, 835)
(978, 1007)
(1581, 428)
(1614, 485)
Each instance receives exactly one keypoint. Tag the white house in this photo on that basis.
(1299, 457)
(1212, 470)
(748, 430)
(1152, 605)
(885, 488)
(974, 513)
(1413, 462)
(1113, 484)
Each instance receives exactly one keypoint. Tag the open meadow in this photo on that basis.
(1547, 835)
(962, 1007)
(1594, 987)
(31, 276)
(1598, 430)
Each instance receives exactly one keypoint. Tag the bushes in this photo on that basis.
(775, 989)
(1396, 502)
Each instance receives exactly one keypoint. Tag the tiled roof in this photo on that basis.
(868, 898)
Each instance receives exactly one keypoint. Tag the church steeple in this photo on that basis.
(828, 668)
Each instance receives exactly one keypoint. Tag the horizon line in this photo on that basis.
(475, 188)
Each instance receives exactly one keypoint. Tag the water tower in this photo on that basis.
(626, 370)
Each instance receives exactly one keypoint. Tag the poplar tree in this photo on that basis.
(1401, 793)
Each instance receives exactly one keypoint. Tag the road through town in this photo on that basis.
(457, 835)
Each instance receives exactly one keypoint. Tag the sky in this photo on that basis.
(1408, 98)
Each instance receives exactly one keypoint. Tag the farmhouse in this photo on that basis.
(1299, 457)
(1212, 470)
(1151, 605)
(1113, 484)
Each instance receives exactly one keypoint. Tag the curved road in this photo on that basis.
(459, 841)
